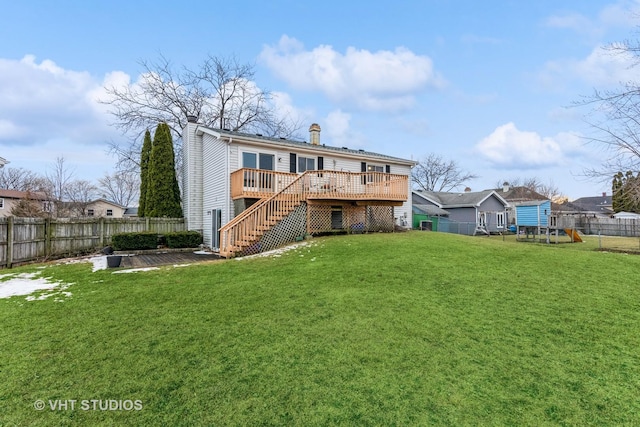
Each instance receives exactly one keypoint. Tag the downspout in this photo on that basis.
(228, 179)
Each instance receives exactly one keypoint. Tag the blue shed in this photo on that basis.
(533, 213)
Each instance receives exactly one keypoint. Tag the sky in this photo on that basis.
(492, 85)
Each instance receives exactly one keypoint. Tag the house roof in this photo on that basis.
(15, 194)
(109, 202)
(519, 194)
(598, 204)
(429, 210)
(626, 215)
(459, 200)
(290, 143)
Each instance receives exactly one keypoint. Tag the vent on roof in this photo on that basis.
(227, 129)
(282, 137)
(345, 148)
(361, 150)
(258, 134)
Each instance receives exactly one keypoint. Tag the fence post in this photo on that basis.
(146, 224)
(47, 237)
(9, 241)
(101, 231)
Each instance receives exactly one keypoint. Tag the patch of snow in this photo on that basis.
(181, 265)
(28, 283)
(276, 252)
(135, 270)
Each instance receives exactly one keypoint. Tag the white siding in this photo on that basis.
(192, 177)
(216, 192)
(404, 211)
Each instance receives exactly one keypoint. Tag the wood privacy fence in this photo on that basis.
(28, 239)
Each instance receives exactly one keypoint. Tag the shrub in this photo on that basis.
(183, 239)
(130, 241)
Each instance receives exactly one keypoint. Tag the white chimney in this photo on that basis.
(505, 187)
(314, 134)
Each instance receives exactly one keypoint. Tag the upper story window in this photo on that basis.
(373, 168)
(47, 206)
(109, 212)
(306, 164)
(90, 212)
(262, 161)
(1, 203)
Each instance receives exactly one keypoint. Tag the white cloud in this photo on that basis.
(510, 148)
(573, 21)
(600, 68)
(622, 14)
(338, 131)
(42, 101)
(382, 80)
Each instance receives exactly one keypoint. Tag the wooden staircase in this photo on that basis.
(242, 234)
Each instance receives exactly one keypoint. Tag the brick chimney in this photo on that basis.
(314, 134)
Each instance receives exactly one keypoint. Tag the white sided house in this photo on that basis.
(249, 193)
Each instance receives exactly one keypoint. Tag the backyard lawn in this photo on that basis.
(413, 328)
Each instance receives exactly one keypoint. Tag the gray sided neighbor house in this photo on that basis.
(248, 193)
(484, 211)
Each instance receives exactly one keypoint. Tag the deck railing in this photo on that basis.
(247, 228)
(281, 193)
(257, 183)
(323, 184)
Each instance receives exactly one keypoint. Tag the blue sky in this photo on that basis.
(488, 84)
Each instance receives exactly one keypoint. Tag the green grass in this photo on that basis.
(382, 329)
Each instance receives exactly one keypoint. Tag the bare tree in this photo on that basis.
(433, 173)
(615, 119)
(120, 187)
(220, 93)
(79, 193)
(30, 206)
(21, 180)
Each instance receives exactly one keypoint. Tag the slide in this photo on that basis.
(573, 234)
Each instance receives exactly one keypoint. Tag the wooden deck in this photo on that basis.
(155, 259)
(324, 184)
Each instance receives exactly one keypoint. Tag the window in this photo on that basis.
(249, 160)
(258, 161)
(109, 212)
(500, 219)
(482, 219)
(306, 164)
(1, 203)
(90, 212)
(47, 206)
(373, 168)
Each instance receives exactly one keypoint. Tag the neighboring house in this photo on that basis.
(39, 203)
(427, 216)
(486, 209)
(131, 212)
(104, 208)
(626, 215)
(249, 193)
(601, 206)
